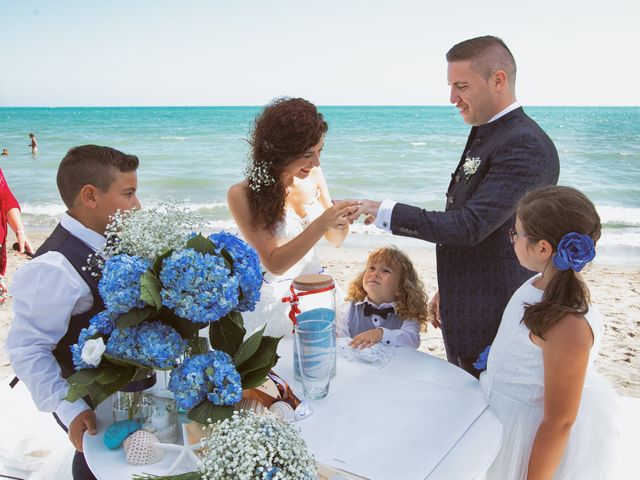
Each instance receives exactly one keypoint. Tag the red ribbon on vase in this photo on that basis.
(294, 300)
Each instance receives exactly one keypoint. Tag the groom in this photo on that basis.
(506, 155)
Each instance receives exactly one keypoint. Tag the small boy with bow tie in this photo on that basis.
(385, 303)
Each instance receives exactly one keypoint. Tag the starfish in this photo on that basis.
(186, 451)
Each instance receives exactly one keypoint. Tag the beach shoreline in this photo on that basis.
(614, 289)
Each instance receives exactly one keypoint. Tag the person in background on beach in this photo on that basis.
(5, 152)
(540, 381)
(283, 207)
(386, 303)
(54, 296)
(10, 215)
(506, 155)
(33, 144)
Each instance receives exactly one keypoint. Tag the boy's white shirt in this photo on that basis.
(408, 335)
(47, 291)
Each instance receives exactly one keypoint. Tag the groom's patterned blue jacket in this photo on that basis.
(477, 267)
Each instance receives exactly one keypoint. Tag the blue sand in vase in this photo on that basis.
(317, 318)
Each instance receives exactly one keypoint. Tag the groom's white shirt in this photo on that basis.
(47, 291)
(383, 219)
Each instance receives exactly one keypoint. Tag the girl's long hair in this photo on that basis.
(282, 133)
(412, 302)
(549, 213)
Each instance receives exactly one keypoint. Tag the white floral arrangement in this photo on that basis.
(251, 447)
(150, 232)
(470, 167)
(248, 446)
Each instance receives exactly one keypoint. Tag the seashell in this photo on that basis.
(282, 411)
(251, 404)
(117, 432)
(140, 448)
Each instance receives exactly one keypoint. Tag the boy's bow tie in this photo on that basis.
(381, 312)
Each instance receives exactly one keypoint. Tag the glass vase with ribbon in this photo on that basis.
(313, 306)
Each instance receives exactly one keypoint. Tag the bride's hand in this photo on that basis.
(337, 216)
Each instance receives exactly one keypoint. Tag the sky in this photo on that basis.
(332, 52)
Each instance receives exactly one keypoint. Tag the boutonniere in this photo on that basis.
(470, 167)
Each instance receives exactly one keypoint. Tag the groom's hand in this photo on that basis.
(85, 420)
(368, 208)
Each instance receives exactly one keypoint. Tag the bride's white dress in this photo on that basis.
(270, 310)
(514, 386)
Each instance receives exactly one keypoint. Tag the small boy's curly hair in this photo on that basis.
(412, 302)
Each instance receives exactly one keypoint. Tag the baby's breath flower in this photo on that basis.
(258, 177)
(150, 232)
(252, 447)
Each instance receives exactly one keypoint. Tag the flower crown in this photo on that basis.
(259, 177)
(574, 251)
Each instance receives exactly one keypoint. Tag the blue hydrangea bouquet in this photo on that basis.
(161, 284)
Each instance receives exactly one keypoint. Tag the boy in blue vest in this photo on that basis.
(54, 297)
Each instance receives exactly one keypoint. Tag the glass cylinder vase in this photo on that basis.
(314, 307)
(132, 402)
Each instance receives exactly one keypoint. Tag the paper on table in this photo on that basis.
(347, 432)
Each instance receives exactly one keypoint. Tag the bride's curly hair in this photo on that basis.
(282, 133)
(412, 302)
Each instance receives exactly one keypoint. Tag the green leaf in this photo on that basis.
(121, 362)
(150, 288)
(76, 392)
(197, 475)
(248, 347)
(134, 316)
(84, 376)
(255, 378)
(197, 345)
(228, 259)
(158, 263)
(184, 327)
(206, 412)
(108, 375)
(99, 393)
(227, 333)
(263, 356)
(201, 244)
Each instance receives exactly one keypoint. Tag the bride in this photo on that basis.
(283, 207)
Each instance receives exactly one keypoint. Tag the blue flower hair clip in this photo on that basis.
(574, 251)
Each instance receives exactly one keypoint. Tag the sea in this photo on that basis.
(191, 155)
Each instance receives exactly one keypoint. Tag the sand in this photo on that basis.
(615, 290)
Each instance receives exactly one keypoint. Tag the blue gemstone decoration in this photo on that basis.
(117, 432)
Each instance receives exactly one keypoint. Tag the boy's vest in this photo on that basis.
(76, 252)
(358, 323)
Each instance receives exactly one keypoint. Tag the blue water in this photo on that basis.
(192, 155)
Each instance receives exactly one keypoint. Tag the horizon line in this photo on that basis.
(318, 105)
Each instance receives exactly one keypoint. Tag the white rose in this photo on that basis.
(92, 351)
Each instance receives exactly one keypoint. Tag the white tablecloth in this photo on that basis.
(418, 417)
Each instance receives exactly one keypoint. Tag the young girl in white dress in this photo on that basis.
(540, 379)
(283, 207)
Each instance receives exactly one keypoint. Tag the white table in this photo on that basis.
(440, 411)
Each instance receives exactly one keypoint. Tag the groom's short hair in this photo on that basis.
(487, 54)
(91, 164)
